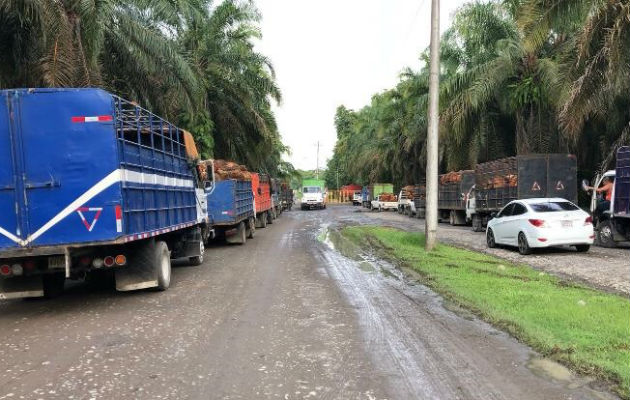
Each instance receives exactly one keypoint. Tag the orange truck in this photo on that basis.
(261, 186)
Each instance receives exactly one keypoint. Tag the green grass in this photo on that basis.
(586, 329)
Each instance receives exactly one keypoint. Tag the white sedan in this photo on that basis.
(535, 223)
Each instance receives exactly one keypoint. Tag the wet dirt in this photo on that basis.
(293, 314)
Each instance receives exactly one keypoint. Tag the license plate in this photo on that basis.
(57, 262)
(567, 224)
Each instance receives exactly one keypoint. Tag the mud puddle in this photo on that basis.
(428, 347)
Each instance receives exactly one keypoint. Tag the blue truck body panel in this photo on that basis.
(365, 194)
(622, 182)
(81, 166)
(230, 202)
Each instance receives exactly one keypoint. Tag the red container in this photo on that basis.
(348, 190)
(262, 192)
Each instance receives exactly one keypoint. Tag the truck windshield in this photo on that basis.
(554, 206)
(312, 189)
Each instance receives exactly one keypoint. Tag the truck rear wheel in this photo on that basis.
(53, 284)
(477, 225)
(162, 264)
(241, 235)
(251, 228)
(270, 217)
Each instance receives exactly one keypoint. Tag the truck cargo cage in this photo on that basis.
(452, 194)
(525, 177)
(152, 148)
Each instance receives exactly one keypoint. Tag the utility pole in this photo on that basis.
(431, 217)
(317, 169)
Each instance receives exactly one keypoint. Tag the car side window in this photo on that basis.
(519, 209)
(507, 211)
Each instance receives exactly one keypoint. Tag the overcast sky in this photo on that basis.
(332, 52)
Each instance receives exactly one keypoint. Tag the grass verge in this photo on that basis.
(586, 329)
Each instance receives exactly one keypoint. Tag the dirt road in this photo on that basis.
(286, 316)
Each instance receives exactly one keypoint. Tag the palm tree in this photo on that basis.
(124, 46)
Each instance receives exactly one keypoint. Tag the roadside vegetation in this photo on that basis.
(191, 61)
(583, 328)
(517, 77)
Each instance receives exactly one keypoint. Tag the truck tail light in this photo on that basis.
(120, 260)
(97, 263)
(85, 261)
(5, 270)
(108, 261)
(538, 223)
(588, 221)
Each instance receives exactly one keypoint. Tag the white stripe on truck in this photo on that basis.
(119, 175)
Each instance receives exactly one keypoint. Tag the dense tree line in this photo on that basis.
(190, 61)
(517, 77)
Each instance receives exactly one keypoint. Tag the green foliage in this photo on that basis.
(517, 77)
(586, 329)
(190, 61)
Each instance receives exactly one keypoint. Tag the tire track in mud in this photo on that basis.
(426, 351)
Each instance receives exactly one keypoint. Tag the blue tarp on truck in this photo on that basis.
(82, 166)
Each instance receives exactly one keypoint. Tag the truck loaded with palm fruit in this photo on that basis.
(376, 189)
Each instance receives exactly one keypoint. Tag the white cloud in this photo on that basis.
(332, 52)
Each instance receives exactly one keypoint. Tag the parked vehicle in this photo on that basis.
(348, 192)
(376, 189)
(231, 209)
(405, 200)
(385, 201)
(612, 224)
(535, 223)
(357, 198)
(91, 182)
(499, 182)
(454, 190)
(275, 198)
(365, 197)
(419, 201)
(313, 194)
(286, 196)
(261, 187)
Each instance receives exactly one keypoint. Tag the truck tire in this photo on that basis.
(477, 224)
(604, 234)
(251, 230)
(162, 264)
(198, 260)
(270, 217)
(451, 218)
(53, 285)
(241, 235)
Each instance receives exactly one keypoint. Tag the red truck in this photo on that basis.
(261, 185)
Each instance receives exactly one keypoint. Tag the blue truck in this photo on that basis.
(231, 209)
(90, 182)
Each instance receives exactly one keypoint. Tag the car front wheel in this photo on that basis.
(490, 239)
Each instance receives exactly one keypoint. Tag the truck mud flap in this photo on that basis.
(140, 273)
(21, 287)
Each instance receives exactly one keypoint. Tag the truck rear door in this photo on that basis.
(562, 176)
(9, 229)
(68, 182)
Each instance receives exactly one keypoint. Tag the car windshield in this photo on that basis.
(312, 189)
(554, 206)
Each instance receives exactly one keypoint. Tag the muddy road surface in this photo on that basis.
(287, 316)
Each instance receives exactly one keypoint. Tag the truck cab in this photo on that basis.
(612, 224)
(405, 204)
(313, 197)
(357, 198)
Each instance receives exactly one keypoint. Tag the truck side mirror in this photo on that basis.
(493, 214)
(207, 185)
